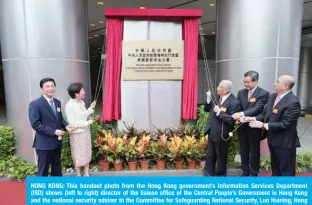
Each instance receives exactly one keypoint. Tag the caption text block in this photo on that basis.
(168, 190)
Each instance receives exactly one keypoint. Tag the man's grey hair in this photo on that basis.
(288, 80)
(254, 76)
(228, 85)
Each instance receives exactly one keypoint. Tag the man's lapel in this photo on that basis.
(269, 108)
(274, 110)
(253, 96)
(255, 93)
(282, 101)
(226, 103)
(48, 107)
(245, 98)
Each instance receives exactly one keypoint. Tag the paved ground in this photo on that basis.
(305, 134)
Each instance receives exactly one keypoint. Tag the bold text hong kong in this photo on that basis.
(171, 186)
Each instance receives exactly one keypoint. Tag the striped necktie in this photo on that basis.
(276, 101)
(249, 94)
(53, 106)
(220, 101)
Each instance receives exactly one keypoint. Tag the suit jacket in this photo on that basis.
(45, 123)
(282, 121)
(252, 107)
(214, 123)
(77, 115)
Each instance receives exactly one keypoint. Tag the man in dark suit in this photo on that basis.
(252, 101)
(219, 124)
(46, 119)
(279, 121)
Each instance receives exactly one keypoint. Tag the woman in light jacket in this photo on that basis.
(80, 138)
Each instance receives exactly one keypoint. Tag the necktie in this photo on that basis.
(220, 101)
(249, 94)
(276, 101)
(53, 107)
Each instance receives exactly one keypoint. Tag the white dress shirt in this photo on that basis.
(224, 98)
(283, 95)
(48, 99)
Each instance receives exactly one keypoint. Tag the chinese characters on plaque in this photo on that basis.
(153, 55)
(152, 60)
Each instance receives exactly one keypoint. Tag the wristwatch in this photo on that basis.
(263, 127)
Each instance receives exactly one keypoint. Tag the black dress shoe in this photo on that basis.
(254, 175)
(245, 174)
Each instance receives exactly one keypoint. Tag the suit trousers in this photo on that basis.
(250, 151)
(283, 161)
(216, 155)
(47, 158)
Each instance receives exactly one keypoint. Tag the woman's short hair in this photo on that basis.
(74, 88)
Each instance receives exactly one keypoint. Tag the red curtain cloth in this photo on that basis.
(112, 98)
(190, 76)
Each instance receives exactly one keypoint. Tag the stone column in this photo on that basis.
(41, 39)
(305, 76)
(260, 35)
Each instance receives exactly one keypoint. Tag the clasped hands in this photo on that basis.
(60, 133)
